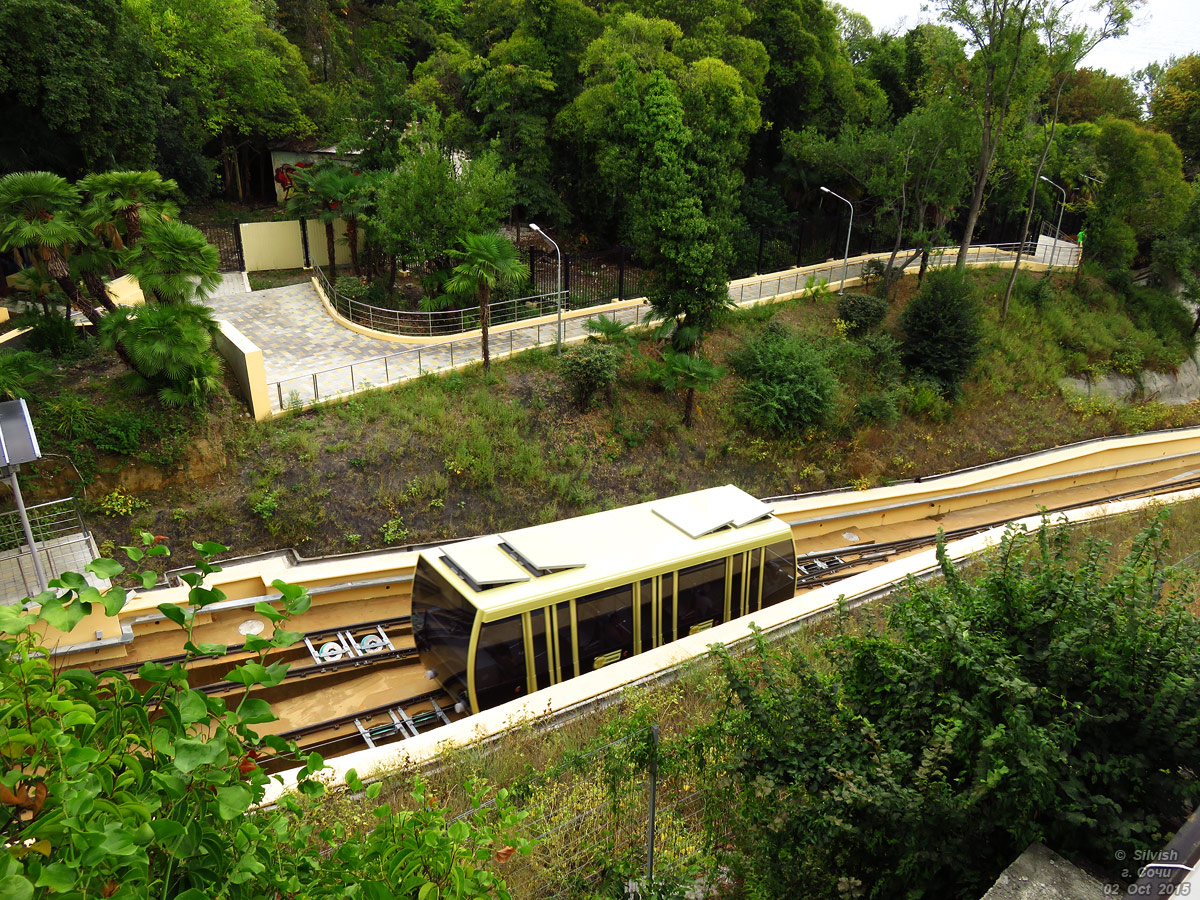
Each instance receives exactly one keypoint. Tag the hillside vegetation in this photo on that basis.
(468, 453)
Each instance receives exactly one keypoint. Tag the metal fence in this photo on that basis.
(300, 391)
(60, 536)
(611, 818)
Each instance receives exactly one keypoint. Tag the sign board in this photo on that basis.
(18, 443)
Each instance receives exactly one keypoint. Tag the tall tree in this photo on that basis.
(78, 90)
(1175, 107)
(1066, 43)
(127, 195)
(488, 262)
(1002, 77)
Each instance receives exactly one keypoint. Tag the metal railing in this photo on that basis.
(62, 541)
(300, 391)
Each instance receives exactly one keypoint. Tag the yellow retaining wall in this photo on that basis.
(272, 245)
(316, 244)
(245, 360)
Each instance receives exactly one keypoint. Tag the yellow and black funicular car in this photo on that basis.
(497, 617)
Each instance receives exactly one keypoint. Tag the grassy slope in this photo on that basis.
(468, 453)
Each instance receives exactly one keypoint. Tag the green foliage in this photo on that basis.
(171, 349)
(1042, 701)
(787, 384)
(609, 330)
(942, 329)
(394, 531)
(118, 791)
(861, 312)
(488, 261)
(879, 408)
(54, 334)
(175, 263)
(119, 502)
(587, 369)
(688, 372)
(19, 372)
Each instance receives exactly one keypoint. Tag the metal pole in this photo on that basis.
(653, 792)
(849, 228)
(558, 286)
(37, 563)
(1058, 228)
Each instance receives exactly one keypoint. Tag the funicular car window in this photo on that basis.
(779, 573)
(701, 597)
(605, 627)
(500, 663)
(442, 620)
(541, 659)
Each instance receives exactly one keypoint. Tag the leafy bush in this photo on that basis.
(879, 409)
(170, 348)
(587, 369)
(1043, 701)
(787, 385)
(942, 329)
(861, 312)
(119, 502)
(394, 531)
(883, 356)
(53, 334)
(19, 371)
(120, 791)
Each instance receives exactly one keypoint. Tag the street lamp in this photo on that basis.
(1058, 228)
(557, 287)
(846, 260)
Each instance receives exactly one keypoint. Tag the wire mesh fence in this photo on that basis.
(613, 821)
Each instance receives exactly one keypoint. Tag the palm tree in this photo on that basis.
(175, 263)
(318, 196)
(128, 196)
(170, 349)
(39, 210)
(489, 261)
(354, 200)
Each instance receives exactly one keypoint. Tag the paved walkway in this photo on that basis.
(309, 356)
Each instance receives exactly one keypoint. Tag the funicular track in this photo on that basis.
(343, 695)
(823, 567)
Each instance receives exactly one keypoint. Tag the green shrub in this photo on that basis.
(394, 531)
(787, 385)
(883, 356)
(1042, 699)
(70, 416)
(171, 349)
(879, 409)
(942, 329)
(119, 503)
(587, 369)
(861, 312)
(19, 371)
(53, 334)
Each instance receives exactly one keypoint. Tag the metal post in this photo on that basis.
(849, 228)
(1058, 228)
(304, 242)
(653, 795)
(558, 284)
(316, 396)
(279, 390)
(621, 274)
(20, 501)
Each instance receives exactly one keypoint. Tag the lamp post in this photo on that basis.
(1057, 228)
(557, 288)
(846, 259)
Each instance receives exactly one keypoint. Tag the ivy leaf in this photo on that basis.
(253, 710)
(209, 548)
(286, 638)
(176, 614)
(254, 643)
(191, 753)
(267, 611)
(15, 887)
(70, 580)
(13, 620)
(296, 599)
(232, 801)
(59, 877)
(62, 617)
(114, 600)
(149, 579)
(192, 707)
(104, 568)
